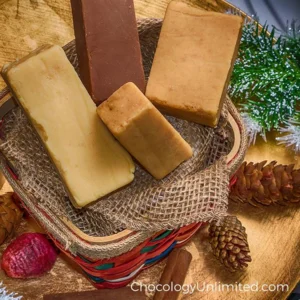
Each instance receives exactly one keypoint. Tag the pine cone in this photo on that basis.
(229, 243)
(266, 184)
(10, 216)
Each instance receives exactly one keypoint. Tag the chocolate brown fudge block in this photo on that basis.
(107, 45)
(144, 131)
(174, 273)
(193, 63)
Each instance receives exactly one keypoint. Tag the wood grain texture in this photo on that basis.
(124, 293)
(274, 232)
(30, 28)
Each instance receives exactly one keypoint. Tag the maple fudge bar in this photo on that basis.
(107, 45)
(144, 131)
(193, 63)
(90, 161)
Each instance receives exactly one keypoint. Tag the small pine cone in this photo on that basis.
(229, 243)
(10, 216)
(266, 184)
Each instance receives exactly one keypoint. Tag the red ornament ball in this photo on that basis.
(29, 255)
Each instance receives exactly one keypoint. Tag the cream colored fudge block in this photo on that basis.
(193, 62)
(144, 131)
(90, 161)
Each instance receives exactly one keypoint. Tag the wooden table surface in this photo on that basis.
(273, 232)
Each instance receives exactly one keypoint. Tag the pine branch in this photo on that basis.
(266, 77)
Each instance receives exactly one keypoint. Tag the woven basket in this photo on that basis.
(132, 251)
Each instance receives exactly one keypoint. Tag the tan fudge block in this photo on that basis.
(90, 161)
(144, 131)
(193, 62)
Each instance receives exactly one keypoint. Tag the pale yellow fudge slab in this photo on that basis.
(90, 161)
(193, 63)
(144, 131)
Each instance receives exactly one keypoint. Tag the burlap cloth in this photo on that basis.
(196, 191)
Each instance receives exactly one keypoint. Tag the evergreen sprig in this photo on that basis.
(266, 76)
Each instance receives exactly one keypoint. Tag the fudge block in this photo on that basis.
(90, 161)
(193, 62)
(107, 45)
(174, 273)
(144, 131)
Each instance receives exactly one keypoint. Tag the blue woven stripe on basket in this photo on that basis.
(148, 262)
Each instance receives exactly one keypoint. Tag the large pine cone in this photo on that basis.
(10, 216)
(266, 184)
(229, 243)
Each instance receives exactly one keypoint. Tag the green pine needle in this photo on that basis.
(266, 77)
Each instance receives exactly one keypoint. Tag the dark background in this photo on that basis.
(275, 13)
